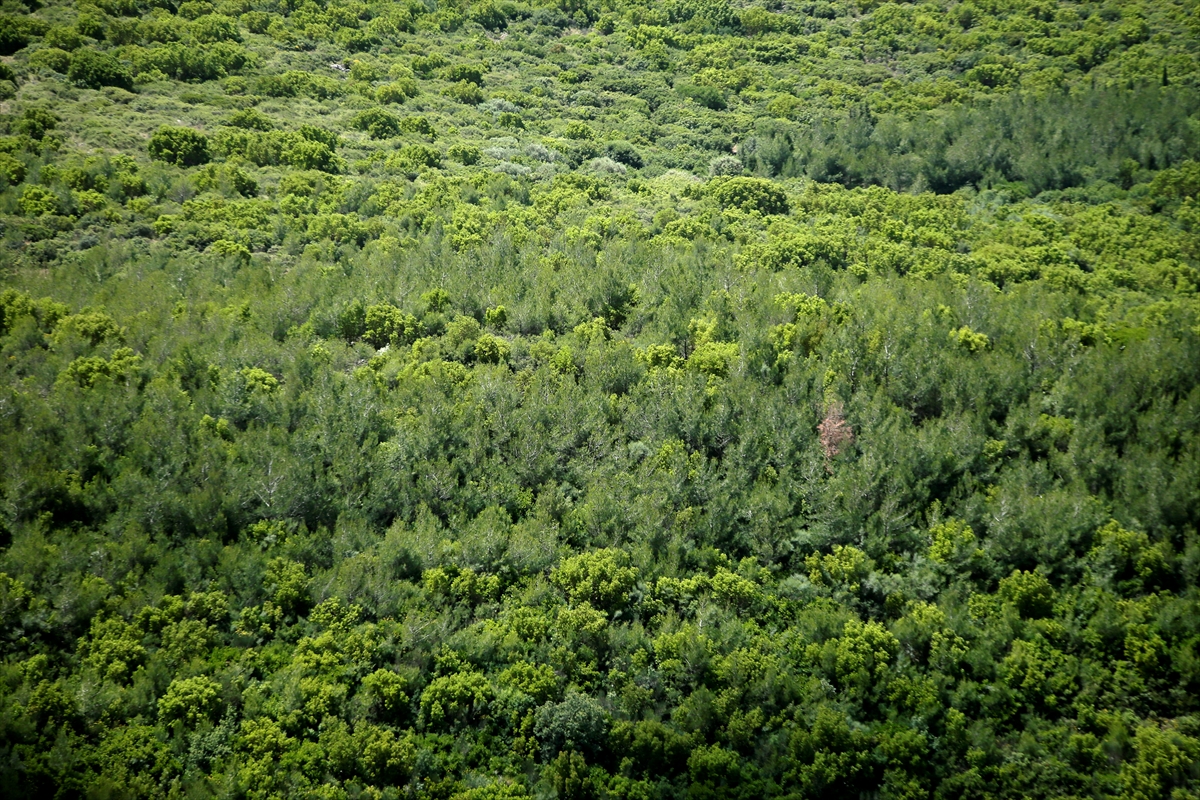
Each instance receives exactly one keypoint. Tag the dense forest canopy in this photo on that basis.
(600, 399)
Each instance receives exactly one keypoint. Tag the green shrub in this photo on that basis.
(470, 73)
(307, 148)
(600, 577)
(397, 91)
(36, 123)
(251, 119)
(425, 66)
(623, 153)
(12, 171)
(14, 35)
(751, 194)
(183, 147)
(212, 28)
(227, 178)
(421, 155)
(91, 69)
(707, 96)
(304, 153)
(314, 134)
(465, 154)
(386, 325)
(256, 21)
(1029, 592)
(579, 131)
(292, 83)
(38, 201)
(51, 58)
(92, 25)
(184, 63)
(969, 340)
(194, 9)
(63, 38)
(488, 15)
(491, 349)
(190, 700)
(377, 123)
(157, 26)
(725, 166)
(364, 70)
(464, 92)
(121, 8)
(419, 125)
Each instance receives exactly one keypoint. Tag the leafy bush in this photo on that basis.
(464, 92)
(184, 63)
(38, 201)
(707, 96)
(751, 194)
(63, 38)
(468, 73)
(183, 147)
(211, 28)
(12, 171)
(488, 15)
(419, 125)
(396, 91)
(725, 166)
(578, 724)
(465, 154)
(51, 58)
(92, 69)
(251, 119)
(623, 153)
(36, 122)
(295, 83)
(256, 21)
(377, 123)
(420, 155)
(14, 35)
(425, 66)
(307, 148)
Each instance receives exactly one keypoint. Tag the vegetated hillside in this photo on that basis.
(600, 399)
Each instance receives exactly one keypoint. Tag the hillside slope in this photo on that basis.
(600, 400)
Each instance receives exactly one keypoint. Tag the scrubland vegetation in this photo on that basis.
(600, 399)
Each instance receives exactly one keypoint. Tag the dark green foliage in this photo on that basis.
(377, 123)
(51, 58)
(36, 122)
(14, 35)
(707, 96)
(184, 147)
(1053, 142)
(92, 69)
(309, 148)
(464, 92)
(750, 401)
(424, 66)
(465, 154)
(576, 725)
(190, 63)
(211, 28)
(469, 73)
(252, 120)
(623, 153)
(63, 38)
(295, 83)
